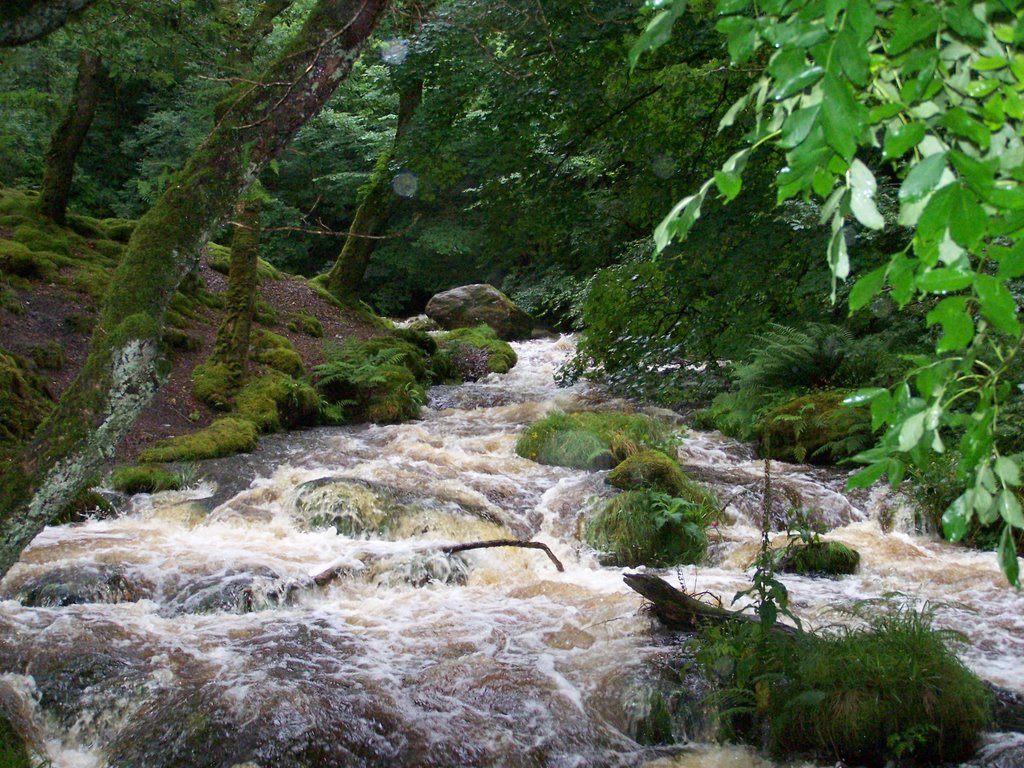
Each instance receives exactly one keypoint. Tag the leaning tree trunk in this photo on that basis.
(22, 21)
(67, 139)
(124, 368)
(377, 203)
(232, 347)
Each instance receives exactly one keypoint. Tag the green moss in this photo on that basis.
(815, 428)
(41, 237)
(647, 528)
(24, 403)
(86, 504)
(397, 398)
(120, 230)
(818, 558)
(455, 361)
(91, 280)
(219, 260)
(144, 478)
(48, 356)
(86, 226)
(276, 401)
(589, 440)
(13, 750)
(420, 339)
(109, 249)
(213, 383)
(286, 361)
(649, 469)
(263, 340)
(226, 436)
(303, 322)
(18, 260)
(265, 313)
(399, 352)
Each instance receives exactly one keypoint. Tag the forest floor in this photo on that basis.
(39, 312)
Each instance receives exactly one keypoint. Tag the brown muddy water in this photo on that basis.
(187, 631)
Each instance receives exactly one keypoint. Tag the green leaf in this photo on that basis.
(1011, 261)
(957, 518)
(862, 197)
(957, 324)
(798, 125)
(842, 117)
(800, 80)
(923, 178)
(898, 141)
(997, 304)
(963, 22)
(728, 183)
(962, 124)
(867, 476)
(911, 431)
(862, 396)
(867, 287)
(741, 36)
(908, 27)
(1008, 471)
(944, 280)
(657, 33)
(1008, 557)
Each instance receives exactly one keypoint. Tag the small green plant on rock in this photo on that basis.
(145, 478)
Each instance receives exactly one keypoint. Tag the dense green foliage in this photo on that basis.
(889, 689)
(937, 88)
(145, 478)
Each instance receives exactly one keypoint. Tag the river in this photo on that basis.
(188, 632)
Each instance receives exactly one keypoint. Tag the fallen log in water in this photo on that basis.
(680, 611)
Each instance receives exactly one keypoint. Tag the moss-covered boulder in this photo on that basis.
(471, 305)
(648, 528)
(224, 437)
(590, 440)
(144, 478)
(817, 558)
(815, 428)
(469, 354)
(649, 469)
(303, 322)
(276, 401)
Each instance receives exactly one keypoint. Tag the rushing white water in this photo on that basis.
(188, 631)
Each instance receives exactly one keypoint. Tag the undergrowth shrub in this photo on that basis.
(646, 527)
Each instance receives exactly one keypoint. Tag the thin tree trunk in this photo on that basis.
(232, 346)
(22, 21)
(68, 137)
(124, 368)
(377, 203)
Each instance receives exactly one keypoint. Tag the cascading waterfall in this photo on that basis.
(189, 630)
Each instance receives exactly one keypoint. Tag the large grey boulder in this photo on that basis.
(470, 305)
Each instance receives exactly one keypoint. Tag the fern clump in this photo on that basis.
(789, 358)
(650, 528)
(815, 428)
(367, 381)
(590, 440)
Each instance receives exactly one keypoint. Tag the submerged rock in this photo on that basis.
(84, 584)
(470, 305)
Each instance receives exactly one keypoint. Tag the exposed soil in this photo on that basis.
(44, 312)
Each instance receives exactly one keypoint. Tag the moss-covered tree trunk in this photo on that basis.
(67, 139)
(125, 366)
(377, 203)
(232, 346)
(22, 21)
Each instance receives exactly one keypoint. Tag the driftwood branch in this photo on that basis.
(451, 550)
(331, 574)
(680, 611)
